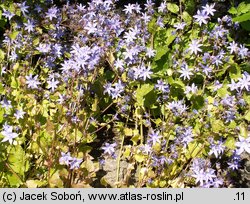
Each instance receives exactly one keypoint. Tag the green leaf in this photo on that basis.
(197, 102)
(234, 72)
(160, 52)
(135, 139)
(36, 41)
(176, 82)
(173, 8)
(2, 55)
(151, 26)
(35, 183)
(187, 18)
(232, 125)
(156, 147)
(89, 165)
(232, 10)
(150, 99)
(243, 8)
(230, 143)
(1, 88)
(247, 115)
(242, 18)
(141, 92)
(162, 183)
(13, 180)
(127, 152)
(223, 91)
(41, 119)
(217, 126)
(16, 66)
(139, 158)
(1, 115)
(194, 149)
(14, 83)
(55, 180)
(170, 36)
(95, 106)
(190, 6)
(246, 25)
(13, 35)
(2, 23)
(104, 182)
(18, 160)
(128, 132)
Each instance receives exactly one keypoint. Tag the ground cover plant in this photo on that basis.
(157, 91)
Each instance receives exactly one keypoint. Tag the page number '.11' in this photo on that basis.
(240, 196)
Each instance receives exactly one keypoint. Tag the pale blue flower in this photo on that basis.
(209, 9)
(145, 73)
(43, 48)
(162, 7)
(217, 149)
(109, 148)
(162, 86)
(243, 145)
(32, 82)
(8, 134)
(19, 114)
(191, 89)
(180, 26)
(177, 107)
(243, 51)
(52, 13)
(185, 72)
(29, 26)
(129, 8)
(154, 137)
(233, 47)
(146, 18)
(160, 22)
(8, 14)
(130, 36)
(52, 84)
(150, 52)
(23, 7)
(233, 85)
(201, 17)
(244, 82)
(119, 63)
(194, 46)
(6, 104)
(75, 163)
(147, 149)
(91, 28)
(65, 158)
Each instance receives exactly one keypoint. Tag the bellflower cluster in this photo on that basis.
(116, 91)
(184, 136)
(154, 137)
(72, 162)
(153, 89)
(109, 149)
(202, 16)
(217, 149)
(177, 107)
(204, 175)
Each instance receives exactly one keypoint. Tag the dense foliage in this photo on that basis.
(163, 88)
